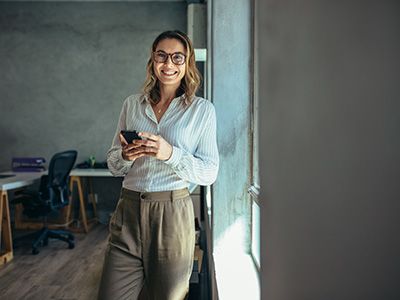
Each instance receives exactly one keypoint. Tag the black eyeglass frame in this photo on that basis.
(169, 55)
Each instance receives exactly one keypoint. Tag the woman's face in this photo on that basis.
(168, 72)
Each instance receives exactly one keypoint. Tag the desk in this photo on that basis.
(76, 175)
(22, 179)
(14, 181)
(11, 181)
(75, 180)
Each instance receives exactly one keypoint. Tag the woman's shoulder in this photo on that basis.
(202, 104)
(133, 100)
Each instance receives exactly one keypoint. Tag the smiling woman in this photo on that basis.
(152, 236)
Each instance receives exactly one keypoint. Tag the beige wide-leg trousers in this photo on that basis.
(151, 244)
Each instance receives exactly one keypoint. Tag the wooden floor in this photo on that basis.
(56, 272)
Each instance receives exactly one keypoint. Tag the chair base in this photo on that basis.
(43, 238)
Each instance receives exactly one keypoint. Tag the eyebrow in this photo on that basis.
(178, 52)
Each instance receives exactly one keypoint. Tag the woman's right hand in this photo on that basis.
(132, 151)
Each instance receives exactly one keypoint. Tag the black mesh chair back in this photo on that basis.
(57, 181)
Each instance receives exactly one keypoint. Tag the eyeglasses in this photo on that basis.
(177, 58)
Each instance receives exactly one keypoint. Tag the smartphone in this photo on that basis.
(129, 135)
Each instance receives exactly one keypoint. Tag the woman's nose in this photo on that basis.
(169, 61)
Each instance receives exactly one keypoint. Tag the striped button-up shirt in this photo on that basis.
(191, 130)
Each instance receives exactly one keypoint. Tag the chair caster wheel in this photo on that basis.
(35, 251)
(71, 245)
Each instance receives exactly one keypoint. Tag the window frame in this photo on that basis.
(254, 189)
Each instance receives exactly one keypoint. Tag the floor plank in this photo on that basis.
(56, 272)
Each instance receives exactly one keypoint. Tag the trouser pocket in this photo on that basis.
(117, 220)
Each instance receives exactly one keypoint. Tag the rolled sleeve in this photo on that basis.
(117, 165)
(175, 157)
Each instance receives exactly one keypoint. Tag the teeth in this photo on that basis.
(169, 73)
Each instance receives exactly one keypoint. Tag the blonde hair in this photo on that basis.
(190, 82)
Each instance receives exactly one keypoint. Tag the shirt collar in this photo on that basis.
(145, 98)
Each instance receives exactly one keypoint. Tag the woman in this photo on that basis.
(152, 234)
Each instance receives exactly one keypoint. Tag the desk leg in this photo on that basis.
(93, 199)
(5, 229)
(82, 209)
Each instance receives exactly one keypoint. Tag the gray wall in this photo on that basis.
(330, 149)
(65, 70)
(230, 74)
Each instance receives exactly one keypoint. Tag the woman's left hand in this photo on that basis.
(155, 144)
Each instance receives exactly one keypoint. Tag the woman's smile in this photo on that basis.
(169, 73)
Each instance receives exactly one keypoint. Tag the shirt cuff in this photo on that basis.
(122, 161)
(175, 157)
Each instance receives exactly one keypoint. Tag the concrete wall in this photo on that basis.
(65, 70)
(67, 67)
(330, 149)
(230, 73)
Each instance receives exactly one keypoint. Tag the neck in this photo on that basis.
(168, 92)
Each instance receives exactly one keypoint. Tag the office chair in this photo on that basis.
(53, 195)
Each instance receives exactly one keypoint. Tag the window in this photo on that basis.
(254, 189)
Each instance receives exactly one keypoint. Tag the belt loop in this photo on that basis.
(172, 196)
